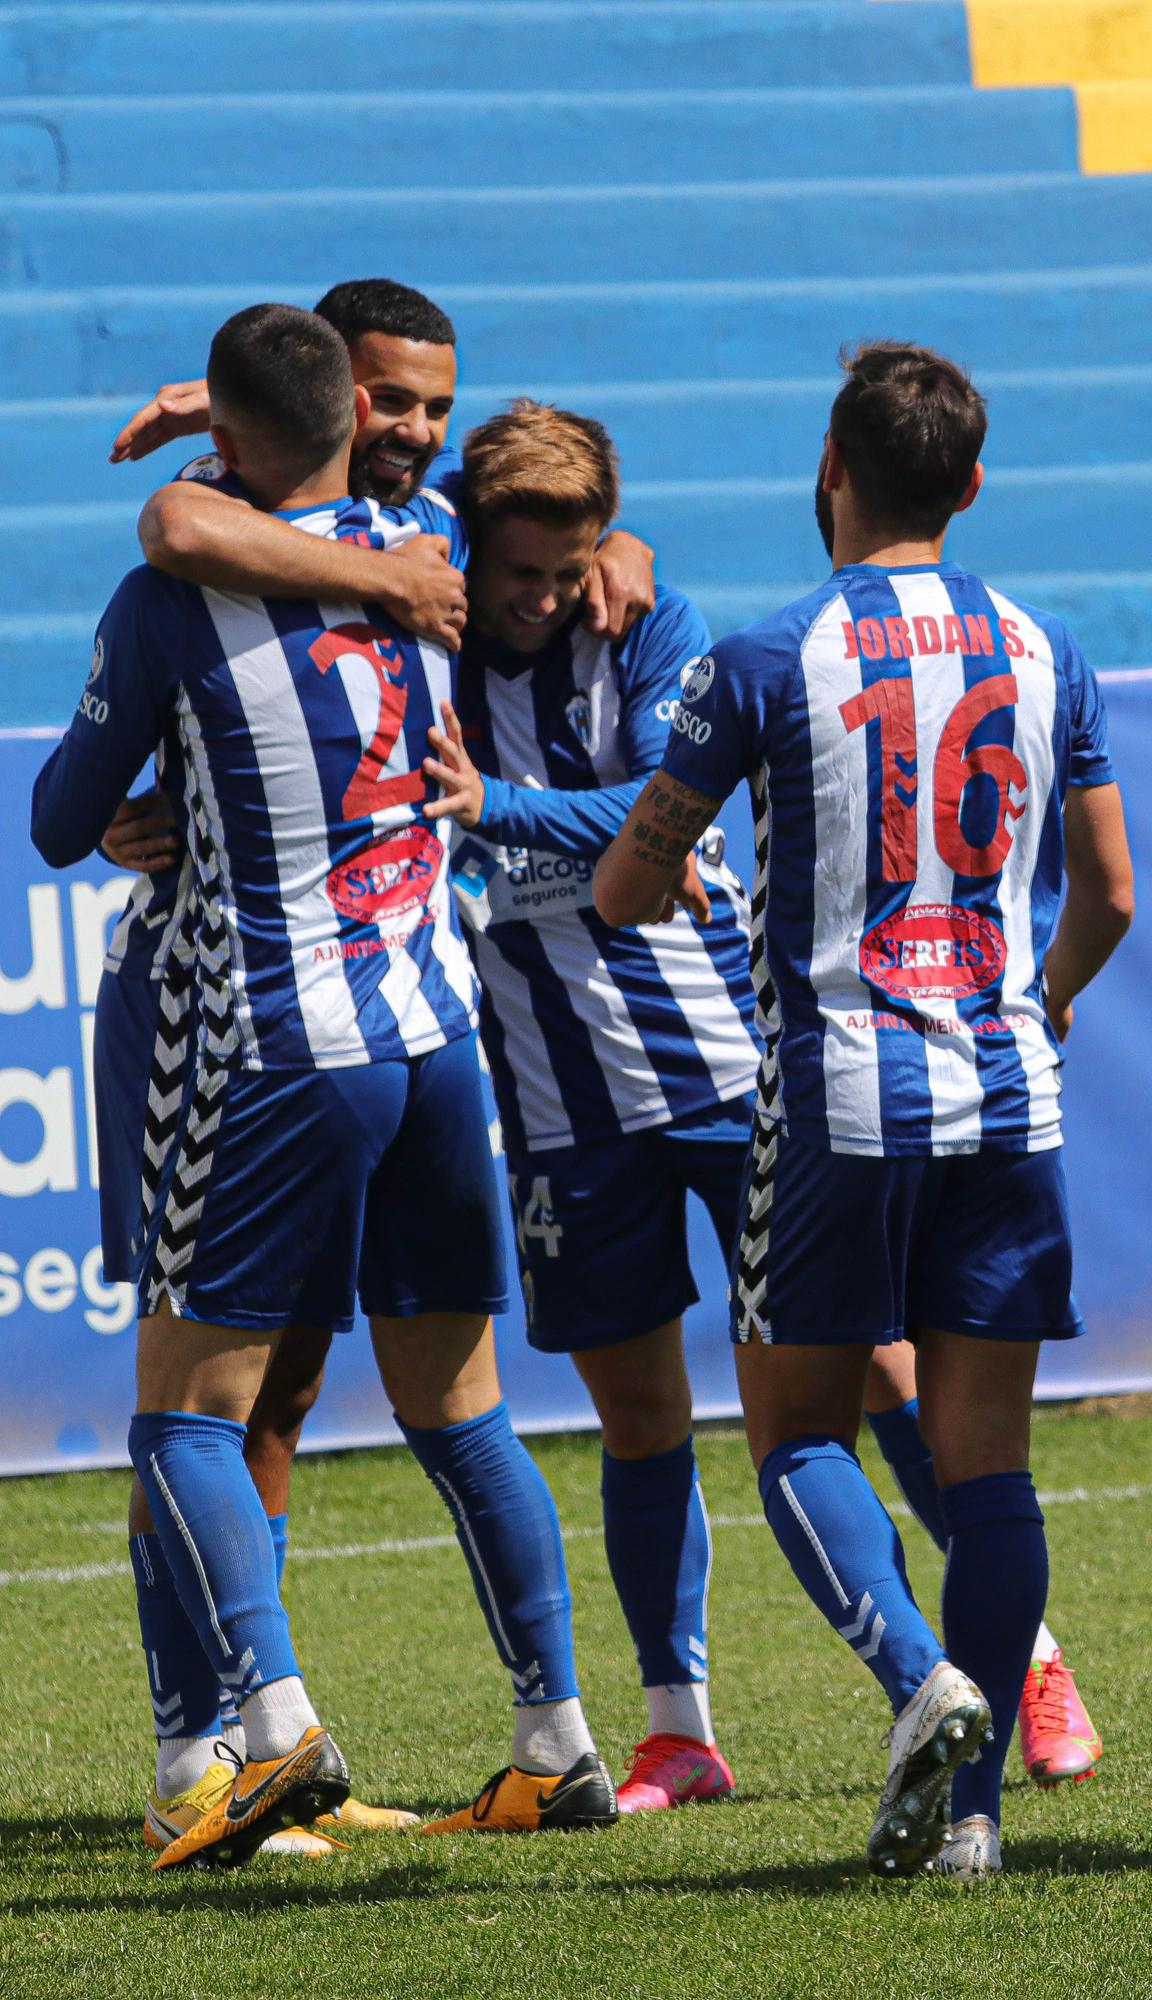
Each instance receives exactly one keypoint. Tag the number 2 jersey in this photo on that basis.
(293, 737)
(590, 1032)
(909, 737)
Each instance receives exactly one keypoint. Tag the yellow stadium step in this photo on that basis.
(1101, 48)
(1060, 41)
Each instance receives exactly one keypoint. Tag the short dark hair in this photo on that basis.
(542, 463)
(289, 373)
(380, 305)
(909, 426)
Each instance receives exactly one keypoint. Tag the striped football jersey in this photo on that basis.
(590, 1032)
(326, 930)
(908, 736)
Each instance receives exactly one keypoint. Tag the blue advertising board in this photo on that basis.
(66, 1335)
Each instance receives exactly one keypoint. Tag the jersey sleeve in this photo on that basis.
(719, 727)
(210, 470)
(446, 475)
(657, 661)
(434, 514)
(1091, 762)
(654, 659)
(117, 725)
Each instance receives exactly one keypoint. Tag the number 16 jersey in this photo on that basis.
(909, 736)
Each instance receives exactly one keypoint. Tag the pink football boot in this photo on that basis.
(1057, 1736)
(668, 1771)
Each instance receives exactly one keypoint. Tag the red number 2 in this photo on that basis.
(369, 791)
(892, 704)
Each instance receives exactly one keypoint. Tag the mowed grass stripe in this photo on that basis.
(408, 1545)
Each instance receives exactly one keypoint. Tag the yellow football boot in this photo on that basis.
(517, 1801)
(263, 1799)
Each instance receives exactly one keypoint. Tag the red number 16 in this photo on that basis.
(892, 704)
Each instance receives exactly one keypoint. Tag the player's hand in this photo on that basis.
(453, 769)
(422, 590)
(179, 409)
(143, 836)
(688, 893)
(620, 586)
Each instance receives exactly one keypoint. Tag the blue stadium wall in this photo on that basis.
(670, 215)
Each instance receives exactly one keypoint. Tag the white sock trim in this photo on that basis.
(549, 1736)
(680, 1709)
(275, 1718)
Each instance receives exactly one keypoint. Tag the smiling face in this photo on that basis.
(412, 385)
(526, 577)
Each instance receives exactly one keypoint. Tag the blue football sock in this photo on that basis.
(898, 1434)
(278, 1529)
(995, 1587)
(181, 1679)
(660, 1554)
(846, 1552)
(214, 1533)
(506, 1524)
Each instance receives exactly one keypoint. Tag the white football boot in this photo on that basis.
(946, 1722)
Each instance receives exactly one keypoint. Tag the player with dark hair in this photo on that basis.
(336, 1083)
(929, 766)
(402, 349)
(623, 1065)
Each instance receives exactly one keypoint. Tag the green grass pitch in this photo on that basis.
(766, 1898)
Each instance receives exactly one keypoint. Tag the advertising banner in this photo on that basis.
(66, 1335)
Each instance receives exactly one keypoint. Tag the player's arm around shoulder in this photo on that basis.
(197, 529)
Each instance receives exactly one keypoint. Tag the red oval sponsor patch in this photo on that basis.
(933, 951)
(386, 880)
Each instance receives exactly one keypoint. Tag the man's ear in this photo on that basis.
(974, 485)
(225, 444)
(363, 406)
(834, 473)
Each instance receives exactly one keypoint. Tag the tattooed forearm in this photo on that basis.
(634, 876)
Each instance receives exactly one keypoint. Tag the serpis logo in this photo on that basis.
(697, 677)
(396, 875)
(97, 667)
(933, 951)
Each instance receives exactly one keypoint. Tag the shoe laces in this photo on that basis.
(1047, 1695)
(482, 1804)
(646, 1757)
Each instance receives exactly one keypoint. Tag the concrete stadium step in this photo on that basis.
(82, 50)
(1049, 517)
(46, 657)
(700, 231)
(662, 430)
(108, 341)
(441, 139)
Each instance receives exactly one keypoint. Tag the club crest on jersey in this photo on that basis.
(209, 470)
(579, 713)
(398, 874)
(696, 678)
(97, 667)
(933, 951)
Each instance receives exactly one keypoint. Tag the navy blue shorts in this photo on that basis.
(602, 1228)
(290, 1192)
(140, 1061)
(841, 1248)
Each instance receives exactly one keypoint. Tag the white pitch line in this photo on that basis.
(410, 1545)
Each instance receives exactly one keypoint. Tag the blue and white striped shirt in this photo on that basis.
(909, 736)
(327, 931)
(591, 1032)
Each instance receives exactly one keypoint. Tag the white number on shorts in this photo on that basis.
(534, 1218)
